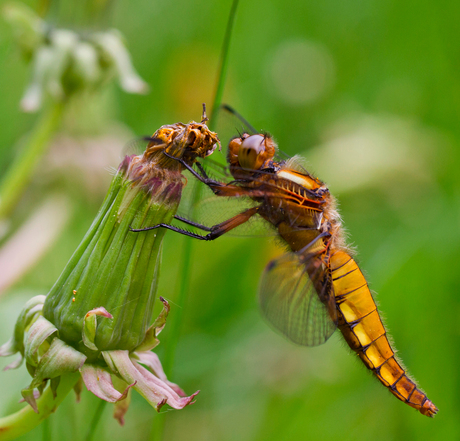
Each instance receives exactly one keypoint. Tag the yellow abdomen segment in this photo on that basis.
(360, 324)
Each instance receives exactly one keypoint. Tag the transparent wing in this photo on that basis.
(296, 297)
(137, 146)
(216, 210)
(230, 124)
(199, 204)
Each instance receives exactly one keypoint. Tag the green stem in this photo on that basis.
(20, 172)
(174, 333)
(46, 435)
(96, 419)
(158, 427)
(26, 419)
(223, 63)
(168, 360)
(43, 7)
(157, 433)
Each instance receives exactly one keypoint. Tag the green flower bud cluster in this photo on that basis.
(65, 61)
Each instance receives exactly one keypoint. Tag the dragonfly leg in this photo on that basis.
(173, 228)
(205, 179)
(193, 224)
(306, 248)
(218, 188)
(202, 170)
(214, 231)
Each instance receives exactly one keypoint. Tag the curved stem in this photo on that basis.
(223, 63)
(26, 419)
(96, 418)
(174, 331)
(46, 434)
(18, 175)
(157, 433)
(43, 7)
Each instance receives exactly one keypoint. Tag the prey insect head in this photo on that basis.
(186, 142)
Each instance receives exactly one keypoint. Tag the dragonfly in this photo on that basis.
(316, 287)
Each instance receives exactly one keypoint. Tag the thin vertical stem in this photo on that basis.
(43, 7)
(174, 331)
(159, 422)
(223, 63)
(187, 250)
(46, 434)
(18, 175)
(96, 419)
(158, 427)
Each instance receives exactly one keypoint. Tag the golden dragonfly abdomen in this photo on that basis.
(362, 328)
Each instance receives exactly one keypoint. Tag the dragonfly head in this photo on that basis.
(251, 152)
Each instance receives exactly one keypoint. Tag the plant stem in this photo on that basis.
(157, 433)
(96, 419)
(223, 63)
(158, 427)
(26, 419)
(168, 359)
(46, 434)
(43, 7)
(174, 332)
(187, 250)
(19, 173)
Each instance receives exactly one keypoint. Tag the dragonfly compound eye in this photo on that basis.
(251, 155)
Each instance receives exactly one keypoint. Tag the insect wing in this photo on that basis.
(201, 205)
(231, 124)
(297, 298)
(217, 210)
(138, 145)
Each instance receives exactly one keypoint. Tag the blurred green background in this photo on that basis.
(369, 93)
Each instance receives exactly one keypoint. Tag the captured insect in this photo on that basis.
(316, 287)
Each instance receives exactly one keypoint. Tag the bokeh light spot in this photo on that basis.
(300, 72)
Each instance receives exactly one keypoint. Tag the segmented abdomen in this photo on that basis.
(360, 324)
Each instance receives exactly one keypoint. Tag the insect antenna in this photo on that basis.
(204, 118)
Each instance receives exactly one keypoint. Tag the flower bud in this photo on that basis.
(117, 54)
(96, 318)
(65, 62)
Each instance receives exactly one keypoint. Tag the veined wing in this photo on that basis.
(199, 204)
(137, 145)
(296, 297)
(230, 124)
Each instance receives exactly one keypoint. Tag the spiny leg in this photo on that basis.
(193, 224)
(214, 231)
